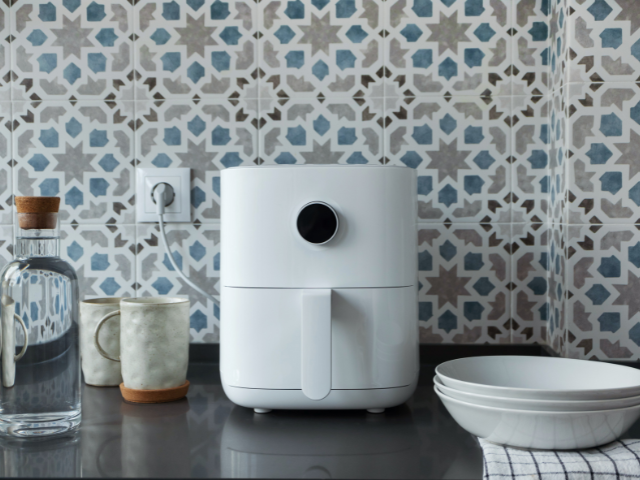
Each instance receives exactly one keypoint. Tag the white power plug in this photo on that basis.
(163, 196)
(179, 179)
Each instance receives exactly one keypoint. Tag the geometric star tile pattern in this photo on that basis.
(530, 165)
(104, 258)
(102, 87)
(461, 149)
(463, 276)
(604, 172)
(79, 151)
(6, 244)
(594, 201)
(521, 118)
(603, 277)
(458, 47)
(559, 53)
(532, 32)
(605, 44)
(530, 294)
(5, 52)
(558, 158)
(69, 50)
(6, 182)
(328, 48)
(558, 325)
(343, 131)
(196, 49)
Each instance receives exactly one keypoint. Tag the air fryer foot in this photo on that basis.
(375, 410)
(262, 410)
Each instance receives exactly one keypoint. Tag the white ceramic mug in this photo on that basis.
(154, 342)
(99, 371)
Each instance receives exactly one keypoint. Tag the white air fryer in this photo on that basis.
(319, 287)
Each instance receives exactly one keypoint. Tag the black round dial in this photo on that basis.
(317, 223)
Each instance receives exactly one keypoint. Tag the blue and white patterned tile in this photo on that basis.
(557, 326)
(6, 244)
(68, 50)
(603, 278)
(464, 277)
(558, 31)
(531, 139)
(334, 130)
(80, 151)
(322, 48)
(531, 40)
(6, 180)
(103, 257)
(461, 148)
(605, 41)
(196, 250)
(196, 49)
(558, 158)
(205, 136)
(529, 282)
(454, 46)
(604, 140)
(5, 52)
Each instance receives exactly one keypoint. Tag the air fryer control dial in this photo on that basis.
(317, 223)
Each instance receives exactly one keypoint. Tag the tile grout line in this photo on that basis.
(134, 15)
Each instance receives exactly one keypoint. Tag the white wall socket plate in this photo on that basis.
(179, 179)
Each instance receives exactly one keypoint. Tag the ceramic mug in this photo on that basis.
(99, 371)
(154, 342)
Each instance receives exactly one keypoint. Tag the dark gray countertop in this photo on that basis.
(206, 435)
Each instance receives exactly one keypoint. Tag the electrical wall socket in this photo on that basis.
(179, 179)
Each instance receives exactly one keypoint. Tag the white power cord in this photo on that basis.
(163, 195)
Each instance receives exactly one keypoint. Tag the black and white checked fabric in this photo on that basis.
(617, 461)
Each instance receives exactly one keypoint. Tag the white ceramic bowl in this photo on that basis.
(536, 405)
(540, 378)
(543, 430)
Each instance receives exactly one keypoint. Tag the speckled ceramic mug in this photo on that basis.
(99, 371)
(154, 342)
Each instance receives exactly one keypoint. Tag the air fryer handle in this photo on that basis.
(316, 343)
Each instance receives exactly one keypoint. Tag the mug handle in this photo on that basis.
(26, 338)
(97, 333)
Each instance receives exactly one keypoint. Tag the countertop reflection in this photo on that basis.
(206, 435)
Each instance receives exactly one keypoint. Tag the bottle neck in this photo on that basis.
(37, 243)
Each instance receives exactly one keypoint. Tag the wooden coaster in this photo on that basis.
(154, 396)
(155, 410)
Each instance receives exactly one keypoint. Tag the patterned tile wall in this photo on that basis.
(464, 273)
(596, 71)
(604, 279)
(470, 93)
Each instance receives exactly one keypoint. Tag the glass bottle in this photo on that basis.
(39, 348)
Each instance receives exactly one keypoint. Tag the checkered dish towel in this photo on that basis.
(616, 461)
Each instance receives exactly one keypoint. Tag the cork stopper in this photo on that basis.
(39, 213)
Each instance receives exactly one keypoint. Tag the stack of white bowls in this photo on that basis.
(540, 402)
